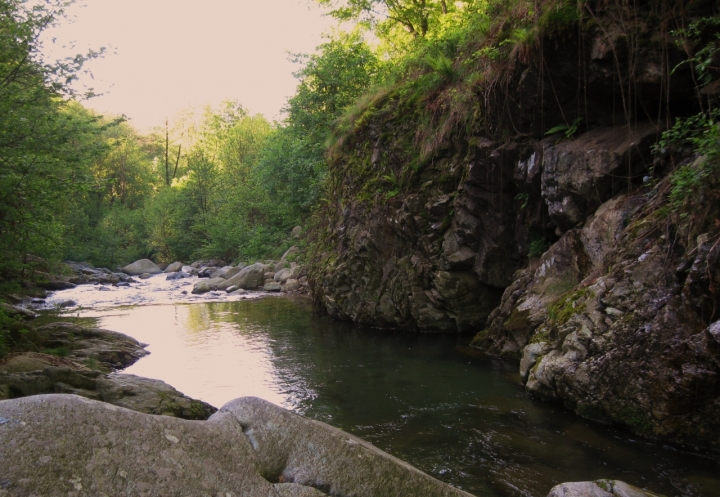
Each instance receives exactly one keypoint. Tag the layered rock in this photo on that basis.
(250, 447)
(36, 374)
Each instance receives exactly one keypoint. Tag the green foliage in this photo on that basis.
(537, 247)
(568, 129)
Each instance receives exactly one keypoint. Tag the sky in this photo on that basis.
(167, 55)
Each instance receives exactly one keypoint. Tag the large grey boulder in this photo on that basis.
(174, 267)
(141, 267)
(207, 285)
(599, 488)
(72, 445)
(283, 275)
(248, 278)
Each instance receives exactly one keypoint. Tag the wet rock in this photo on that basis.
(57, 285)
(248, 278)
(207, 285)
(142, 266)
(67, 303)
(145, 276)
(105, 349)
(239, 291)
(174, 267)
(599, 488)
(177, 276)
(122, 283)
(249, 444)
(205, 272)
(36, 374)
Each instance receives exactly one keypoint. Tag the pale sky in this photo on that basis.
(166, 55)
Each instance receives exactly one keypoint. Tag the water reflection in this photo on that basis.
(458, 415)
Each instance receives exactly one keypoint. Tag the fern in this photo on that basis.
(568, 129)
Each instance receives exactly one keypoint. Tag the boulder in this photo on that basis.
(296, 232)
(145, 276)
(283, 275)
(281, 265)
(290, 253)
(142, 266)
(36, 374)
(248, 278)
(174, 267)
(206, 272)
(222, 272)
(70, 444)
(177, 276)
(599, 488)
(207, 285)
(16, 311)
(103, 349)
(189, 270)
(67, 303)
(272, 287)
(291, 286)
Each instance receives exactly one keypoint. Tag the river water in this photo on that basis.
(447, 409)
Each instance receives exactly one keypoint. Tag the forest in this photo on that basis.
(221, 183)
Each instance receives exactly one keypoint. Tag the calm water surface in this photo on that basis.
(454, 413)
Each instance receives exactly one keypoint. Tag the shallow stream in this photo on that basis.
(449, 410)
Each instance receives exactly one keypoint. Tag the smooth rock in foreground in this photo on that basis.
(142, 266)
(249, 448)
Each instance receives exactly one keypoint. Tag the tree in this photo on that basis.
(46, 144)
(416, 16)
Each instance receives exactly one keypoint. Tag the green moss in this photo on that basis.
(480, 338)
(635, 419)
(517, 321)
(566, 307)
(59, 352)
(542, 335)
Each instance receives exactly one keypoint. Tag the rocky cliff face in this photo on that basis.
(616, 318)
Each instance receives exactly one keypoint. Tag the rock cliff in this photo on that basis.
(553, 249)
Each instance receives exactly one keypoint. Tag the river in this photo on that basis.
(449, 410)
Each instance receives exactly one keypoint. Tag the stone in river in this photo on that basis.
(272, 287)
(142, 266)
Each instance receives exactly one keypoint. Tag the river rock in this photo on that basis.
(222, 272)
(283, 275)
(272, 287)
(109, 349)
(44, 375)
(67, 303)
(248, 278)
(177, 275)
(142, 266)
(599, 488)
(291, 286)
(207, 285)
(145, 276)
(249, 444)
(17, 311)
(174, 267)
